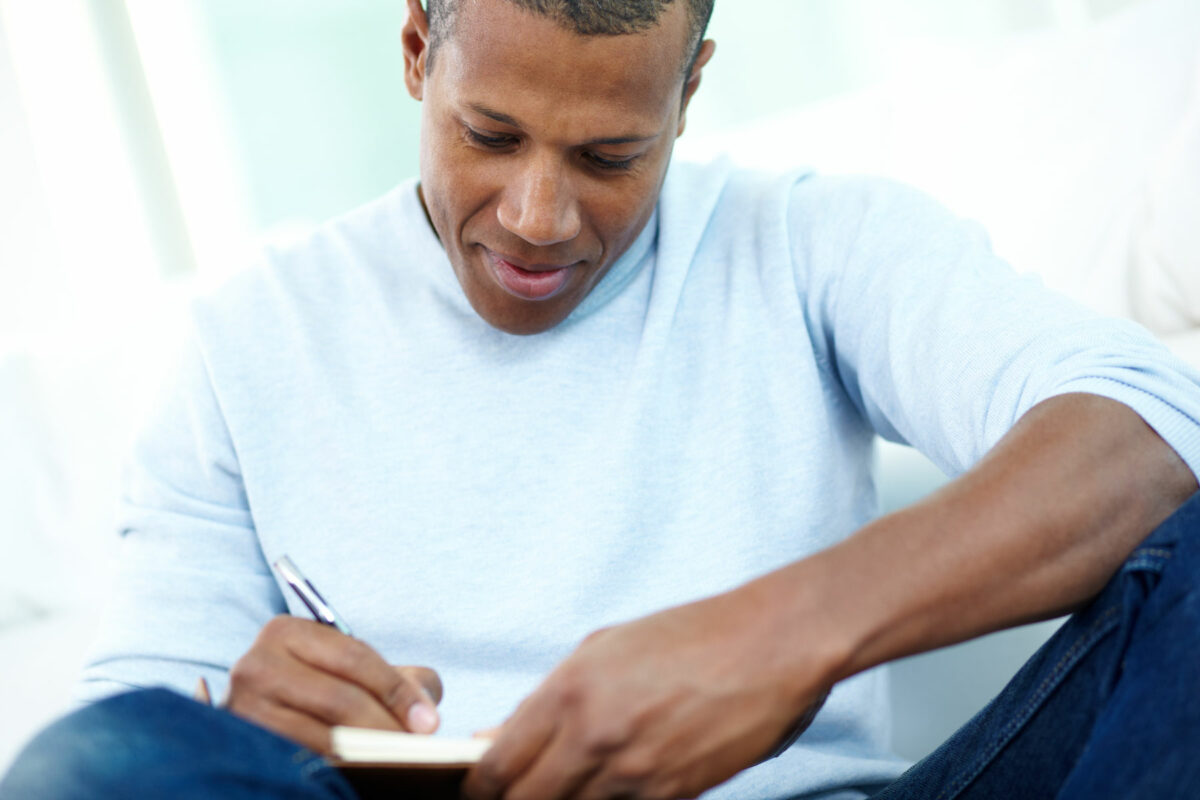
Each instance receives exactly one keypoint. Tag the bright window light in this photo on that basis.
(98, 228)
(193, 117)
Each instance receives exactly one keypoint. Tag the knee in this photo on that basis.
(102, 750)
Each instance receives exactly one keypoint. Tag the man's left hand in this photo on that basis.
(666, 706)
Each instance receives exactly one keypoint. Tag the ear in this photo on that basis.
(415, 39)
(707, 48)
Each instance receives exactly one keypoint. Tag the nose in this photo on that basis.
(540, 205)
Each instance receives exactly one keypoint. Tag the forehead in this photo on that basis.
(530, 67)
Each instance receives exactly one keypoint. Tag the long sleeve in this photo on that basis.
(942, 346)
(192, 589)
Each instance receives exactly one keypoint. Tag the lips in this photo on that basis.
(527, 281)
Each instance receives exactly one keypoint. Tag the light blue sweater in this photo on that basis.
(478, 502)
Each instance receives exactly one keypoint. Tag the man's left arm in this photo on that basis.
(677, 702)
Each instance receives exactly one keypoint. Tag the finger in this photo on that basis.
(328, 698)
(352, 660)
(600, 786)
(290, 723)
(514, 749)
(422, 715)
(559, 771)
(486, 733)
(278, 678)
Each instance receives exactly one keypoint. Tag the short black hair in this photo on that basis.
(587, 18)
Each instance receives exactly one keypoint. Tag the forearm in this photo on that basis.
(1034, 530)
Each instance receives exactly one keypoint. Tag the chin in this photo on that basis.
(523, 325)
(524, 321)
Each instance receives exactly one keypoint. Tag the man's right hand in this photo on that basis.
(300, 678)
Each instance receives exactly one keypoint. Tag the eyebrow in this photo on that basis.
(505, 119)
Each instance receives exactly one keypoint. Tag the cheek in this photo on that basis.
(618, 215)
(436, 164)
(453, 191)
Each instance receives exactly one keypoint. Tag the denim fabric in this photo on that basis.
(154, 743)
(1108, 707)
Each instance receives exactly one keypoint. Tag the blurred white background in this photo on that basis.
(146, 146)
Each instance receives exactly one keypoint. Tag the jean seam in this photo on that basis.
(1101, 627)
(311, 764)
(1161, 552)
(1150, 564)
(1152, 559)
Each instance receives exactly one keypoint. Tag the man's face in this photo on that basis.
(542, 151)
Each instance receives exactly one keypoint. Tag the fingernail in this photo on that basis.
(422, 718)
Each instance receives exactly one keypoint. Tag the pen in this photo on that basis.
(302, 586)
(321, 610)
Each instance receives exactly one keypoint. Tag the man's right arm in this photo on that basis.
(194, 597)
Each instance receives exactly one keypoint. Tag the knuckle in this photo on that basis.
(354, 657)
(277, 628)
(594, 635)
(633, 768)
(570, 690)
(250, 670)
(335, 704)
(602, 739)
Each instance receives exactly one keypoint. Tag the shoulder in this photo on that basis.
(707, 209)
(843, 225)
(821, 223)
(318, 271)
(848, 202)
(720, 195)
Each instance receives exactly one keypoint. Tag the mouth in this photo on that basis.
(527, 281)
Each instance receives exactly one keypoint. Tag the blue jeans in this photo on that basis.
(1108, 707)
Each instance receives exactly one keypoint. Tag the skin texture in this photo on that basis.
(539, 189)
(679, 701)
(517, 157)
(300, 678)
(676, 702)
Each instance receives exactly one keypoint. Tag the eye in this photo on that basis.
(614, 164)
(490, 142)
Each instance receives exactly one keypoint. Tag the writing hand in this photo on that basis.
(300, 678)
(663, 707)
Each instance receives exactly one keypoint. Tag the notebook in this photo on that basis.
(386, 763)
(388, 748)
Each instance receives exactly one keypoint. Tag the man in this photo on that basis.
(554, 387)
